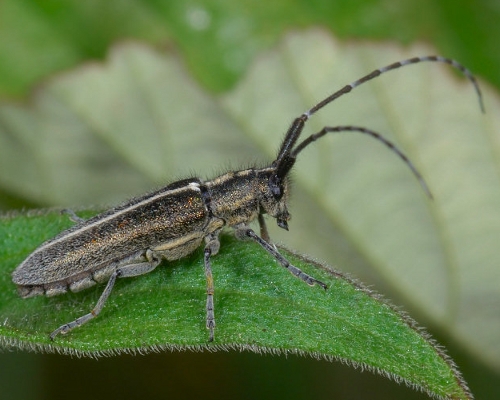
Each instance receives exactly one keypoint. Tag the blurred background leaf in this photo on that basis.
(219, 38)
(218, 42)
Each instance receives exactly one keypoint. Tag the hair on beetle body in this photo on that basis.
(133, 238)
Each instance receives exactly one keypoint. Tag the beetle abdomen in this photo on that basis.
(90, 251)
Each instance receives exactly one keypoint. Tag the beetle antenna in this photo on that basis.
(285, 160)
(349, 128)
(415, 60)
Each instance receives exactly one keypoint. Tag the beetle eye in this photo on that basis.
(275, 186)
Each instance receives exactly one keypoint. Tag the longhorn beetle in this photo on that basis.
(133, 238)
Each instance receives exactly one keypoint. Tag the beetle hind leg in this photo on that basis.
(125, 271)
(72, 215)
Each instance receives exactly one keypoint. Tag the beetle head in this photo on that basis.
(274, 198)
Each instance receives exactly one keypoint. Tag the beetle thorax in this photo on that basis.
(239, 197)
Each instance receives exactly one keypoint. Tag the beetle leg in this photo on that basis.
(246, 232)
(71, 215)
(211, 248)
(264, 233)
(124, 271)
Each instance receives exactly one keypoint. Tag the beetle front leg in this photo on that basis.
(264, 233)
(244, 231)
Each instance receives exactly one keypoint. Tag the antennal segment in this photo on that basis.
(415, 60)
(327, 129)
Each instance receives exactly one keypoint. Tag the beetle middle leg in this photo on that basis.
(211, 248)
(125, 271)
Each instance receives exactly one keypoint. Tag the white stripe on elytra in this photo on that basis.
(192, 185)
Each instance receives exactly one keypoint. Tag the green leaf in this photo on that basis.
(259, 307)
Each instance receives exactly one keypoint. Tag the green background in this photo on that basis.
(41, 38)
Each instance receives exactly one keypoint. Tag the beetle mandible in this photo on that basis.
(133, 238)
